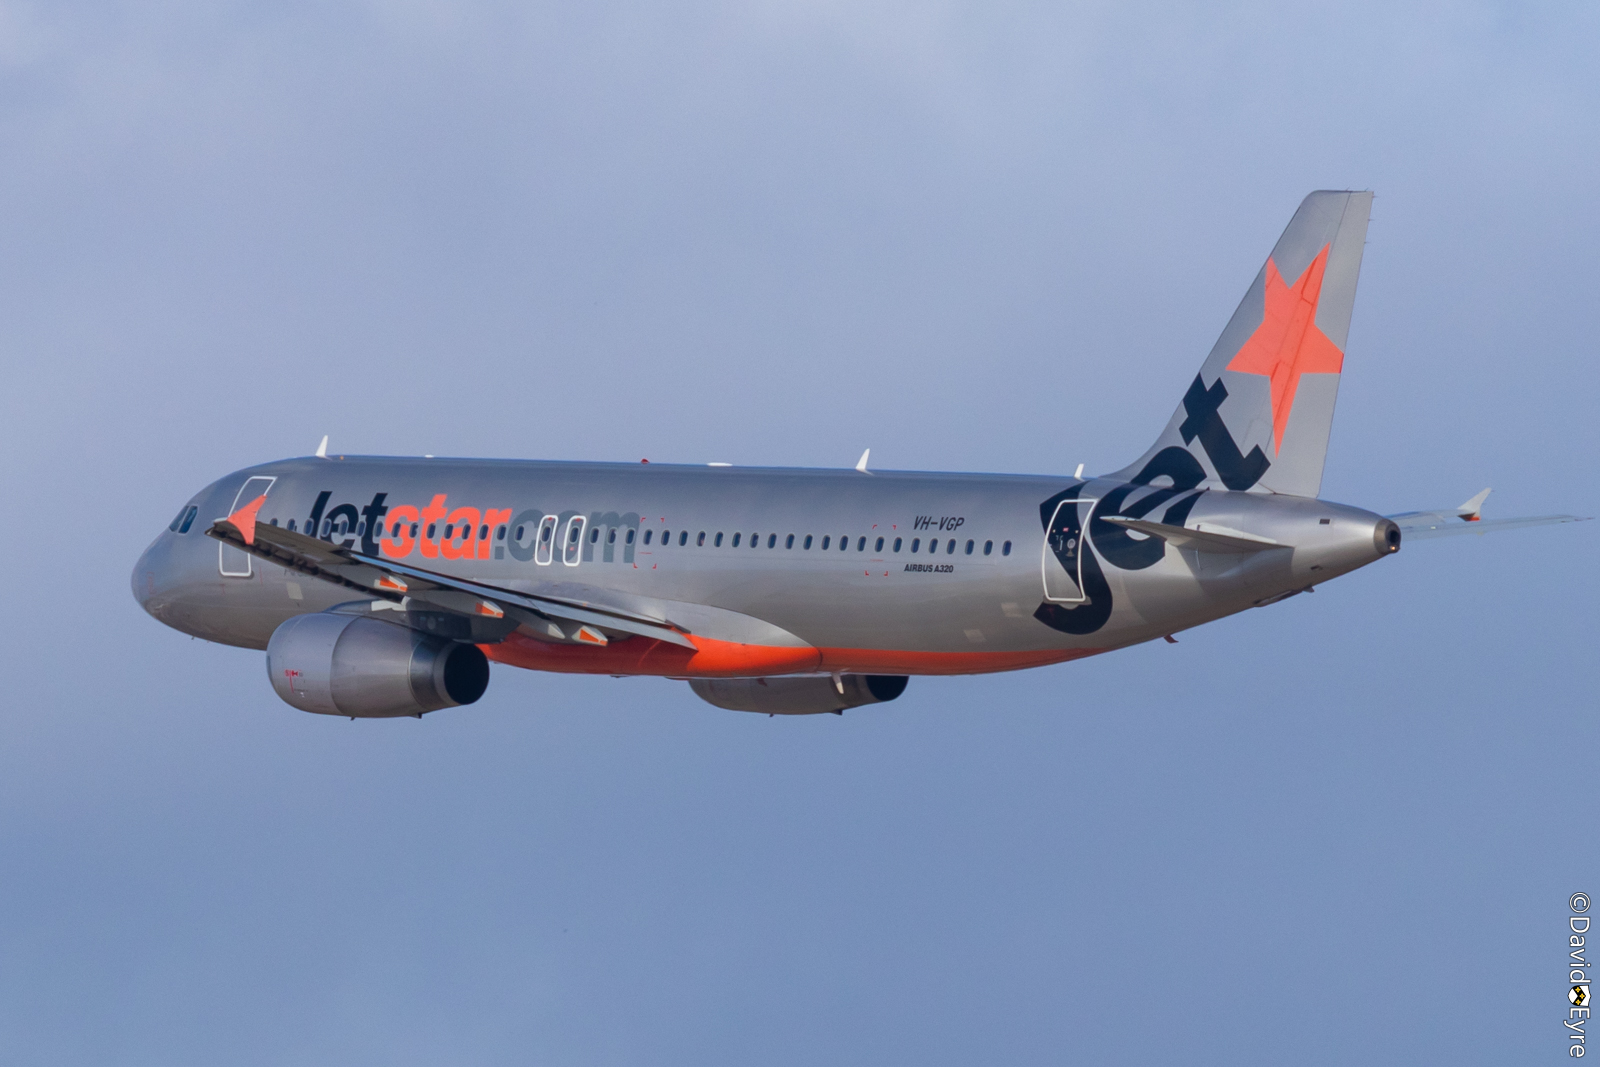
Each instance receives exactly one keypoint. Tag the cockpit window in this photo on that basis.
(184, 520)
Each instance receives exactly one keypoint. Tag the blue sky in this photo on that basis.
(972, 237)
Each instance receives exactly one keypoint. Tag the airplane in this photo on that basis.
(385, 586)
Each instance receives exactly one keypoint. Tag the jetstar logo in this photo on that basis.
(1203, 419)
(436, 530)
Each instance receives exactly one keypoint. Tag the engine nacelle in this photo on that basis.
(337, 664)
(798, 695)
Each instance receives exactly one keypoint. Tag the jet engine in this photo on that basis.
(338, 664)
(803, 695)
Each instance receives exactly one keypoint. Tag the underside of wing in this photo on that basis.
(551, 618)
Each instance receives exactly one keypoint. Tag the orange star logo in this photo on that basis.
(1288, 344)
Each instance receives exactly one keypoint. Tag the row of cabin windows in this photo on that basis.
(951, 546)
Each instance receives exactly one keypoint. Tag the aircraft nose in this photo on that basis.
(155, 576)
(143, 578)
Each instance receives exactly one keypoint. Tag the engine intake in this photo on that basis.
(798, 695)
(337, 664)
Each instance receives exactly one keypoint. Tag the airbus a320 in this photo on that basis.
(384, 586)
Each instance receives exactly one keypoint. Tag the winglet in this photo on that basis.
(244, 520)
(861, 464)
(1472, 510)
(322, 449)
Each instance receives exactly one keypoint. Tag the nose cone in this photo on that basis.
(143, 579)
(158, 578)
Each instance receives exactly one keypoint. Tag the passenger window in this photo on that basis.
(717, 541)
(950, 549)
(291, 525)
(916, 543)
(988, 547)
(274, 522)
(413, 531)
(735, 540)
(483, 533)
(611, 538)
(788, 542)
(897, 543)
(630, 536)
(772, 540)
(878, 546)
(969, 547)
(449, 530)
(700, 541)
(544, 534)
(807, 545)
(501, 534)
(826, 541)
(1005, 549)
(647, 535)
(844, 543)
(361, 528)
(520, 531)
(594, 536)
(755, 540)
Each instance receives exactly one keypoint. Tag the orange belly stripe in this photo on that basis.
(729, 659)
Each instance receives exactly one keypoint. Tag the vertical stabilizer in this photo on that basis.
(1258, 414)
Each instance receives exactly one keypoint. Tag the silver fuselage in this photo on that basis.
(1005, 589)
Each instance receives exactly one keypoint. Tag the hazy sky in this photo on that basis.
(973, 237)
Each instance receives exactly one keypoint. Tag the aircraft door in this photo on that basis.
(572, 542)
(545, 546)
(234, 562)
(1061, 562)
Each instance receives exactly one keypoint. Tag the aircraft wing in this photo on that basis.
(1465, 519)
(556, 618)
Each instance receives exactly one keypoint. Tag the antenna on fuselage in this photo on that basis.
(861, 464)
(322, 449)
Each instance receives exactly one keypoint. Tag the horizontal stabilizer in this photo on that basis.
(1202, 537)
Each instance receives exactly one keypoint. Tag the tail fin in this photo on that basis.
(1258, 414)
